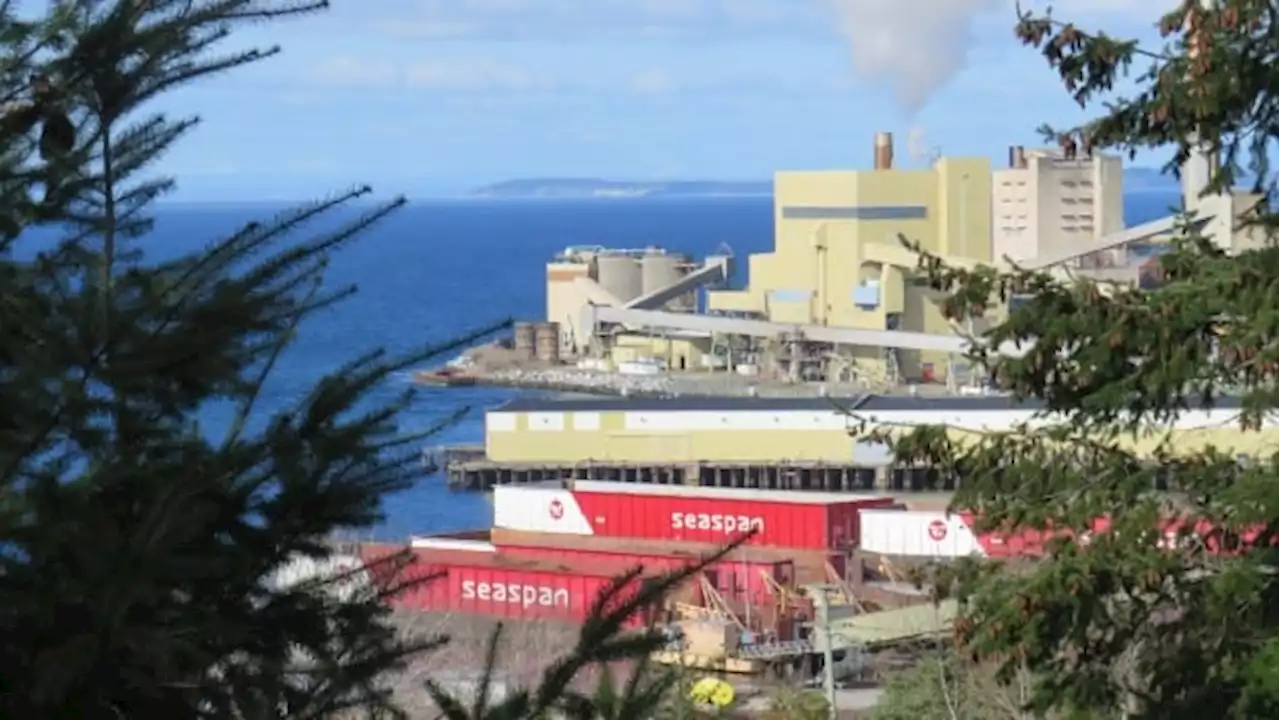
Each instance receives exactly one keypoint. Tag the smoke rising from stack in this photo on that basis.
(912, 46)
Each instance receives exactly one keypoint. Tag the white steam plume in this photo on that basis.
(912, 46)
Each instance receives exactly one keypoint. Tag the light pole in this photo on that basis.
(822, 605)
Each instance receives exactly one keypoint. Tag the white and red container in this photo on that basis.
(922, 534)
(782, 519)
(940, 534)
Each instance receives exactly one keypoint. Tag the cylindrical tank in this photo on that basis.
(620, 275)
(524, 340)
(547, 340)
(659, 270)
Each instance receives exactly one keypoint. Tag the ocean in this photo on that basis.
(435, 270)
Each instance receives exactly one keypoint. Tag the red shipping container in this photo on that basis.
(481, 583)
(783, 519)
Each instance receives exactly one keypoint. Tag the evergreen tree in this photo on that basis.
(139, 548)
(151, 567)
(1126, 623)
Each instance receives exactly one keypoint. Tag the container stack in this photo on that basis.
(552, 549)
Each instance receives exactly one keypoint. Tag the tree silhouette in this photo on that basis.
(1170, 612)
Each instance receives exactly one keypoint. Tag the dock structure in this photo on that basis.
(482, 475)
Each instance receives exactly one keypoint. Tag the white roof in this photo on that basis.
(799, 497)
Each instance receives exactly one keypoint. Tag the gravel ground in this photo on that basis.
(527, 649)
(495, 365)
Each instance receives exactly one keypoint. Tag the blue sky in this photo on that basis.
(430, 97)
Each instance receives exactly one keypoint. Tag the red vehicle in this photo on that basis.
(780, 519)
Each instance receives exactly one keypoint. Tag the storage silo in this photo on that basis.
(620, 275)
(660, 270)
(524, 341)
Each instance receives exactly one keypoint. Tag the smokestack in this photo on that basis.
(884, 151)
(1017, 157)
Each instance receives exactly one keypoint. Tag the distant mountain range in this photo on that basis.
(1135, 179)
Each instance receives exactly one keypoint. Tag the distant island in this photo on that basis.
(553, 188)
(1135, 179)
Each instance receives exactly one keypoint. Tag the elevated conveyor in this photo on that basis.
(715, 270)
(593, 316)
(1137, 233)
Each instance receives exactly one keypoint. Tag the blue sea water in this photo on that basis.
(435, 270)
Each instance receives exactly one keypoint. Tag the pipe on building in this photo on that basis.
(884, 151)
(1017, 157)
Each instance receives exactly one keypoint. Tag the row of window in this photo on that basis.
(1063, 228)
(1066, 200)
(1061, 183)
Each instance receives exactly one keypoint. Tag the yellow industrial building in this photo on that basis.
(672, 350)
(838, 259)
(672, 431)
(839, 298)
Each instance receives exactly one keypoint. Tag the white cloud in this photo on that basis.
(473, 77)
(353, 72)
(916, 47)
(460, 76)
(596, 19)
(727, 19)
(653, 82)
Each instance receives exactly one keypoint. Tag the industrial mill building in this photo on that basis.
(839, 298)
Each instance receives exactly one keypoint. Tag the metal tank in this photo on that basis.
(547, 341)
(524, 340)
(620, 275)
(659, 270)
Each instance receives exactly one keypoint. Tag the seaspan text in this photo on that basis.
(515, 594)
(727, 524)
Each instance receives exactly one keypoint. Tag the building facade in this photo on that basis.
(1045, 203)
(657, 431)
(838, 258)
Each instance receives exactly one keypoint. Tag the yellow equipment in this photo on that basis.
(712, 691)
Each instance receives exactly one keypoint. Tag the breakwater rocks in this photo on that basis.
(598, 382)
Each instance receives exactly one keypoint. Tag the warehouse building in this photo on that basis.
(771, 431)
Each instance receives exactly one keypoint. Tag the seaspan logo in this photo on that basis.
(555, 509)
(937, 531)
(515, 594)
(727, 524)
